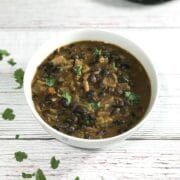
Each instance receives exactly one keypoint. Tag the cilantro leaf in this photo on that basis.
(26, 175)
(50, 82)
(20, 156)
(3, 53)
(114, 66)
(132, 98)
(97, 52)
(17, 136)
(54, 163)
(95, 105)
(11, 62)
(67, 97)
(8, 114)
(40, 175)
(19, 77)
(77, 178)
(78, 70)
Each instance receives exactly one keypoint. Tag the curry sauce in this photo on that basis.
(91, 90)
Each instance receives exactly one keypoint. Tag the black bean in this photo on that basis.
(93, 78)
(125, 66)
(90, 95)
(64, 103)
(105, 72)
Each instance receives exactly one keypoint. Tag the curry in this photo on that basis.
(91, 90)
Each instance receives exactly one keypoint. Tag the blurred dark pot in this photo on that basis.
(149, 1)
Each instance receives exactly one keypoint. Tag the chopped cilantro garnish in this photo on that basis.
(8, 114)
(114, 66)
(78, 69)
(98, 52)
(132, 98)
(50, 82)
(77, 178)
(11, 62)
(40, 175)
(54, 162)
(3, 53)
(26, 175)
(19, 77)
(17, 136)
(95, 105)
(67, 97)
(20, 156)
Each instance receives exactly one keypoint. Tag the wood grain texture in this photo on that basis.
(131, 160)
(153, 152)
(87, 13)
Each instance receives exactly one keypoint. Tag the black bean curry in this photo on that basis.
(91, 90)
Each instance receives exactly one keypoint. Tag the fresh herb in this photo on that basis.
(17, 136)
(19, 77)
(67, 97)
(54, 163)
(114, 66)
(26, 175)
(3, 53)
(98, 52)
(8, 114)
(40, 175)
(95, 105)
(78, 69)
(77, 178)
(132, 98)
(11, 62)
(20, 156)
(50, 82)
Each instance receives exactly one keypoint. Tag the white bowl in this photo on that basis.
(80, 35)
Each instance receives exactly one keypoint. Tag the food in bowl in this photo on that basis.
(91, 90)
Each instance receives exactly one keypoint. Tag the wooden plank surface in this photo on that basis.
(87, 13)
(153, 152)
(137, 159)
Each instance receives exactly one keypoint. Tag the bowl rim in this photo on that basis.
(66, 136)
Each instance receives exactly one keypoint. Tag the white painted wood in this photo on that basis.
(87, 13)
(131, 160)
(151, 153)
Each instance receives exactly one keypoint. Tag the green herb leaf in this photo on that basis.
(132, 98)
(19, 77)
(78, 70)
(77, 178)
(11, 62)
(67, 96)
(20, 156)
(114, 66)
(8, 114)
(98, 52)
(17, 136)
(54, 163)
(50, 82)
(3, 53)
(26, 175)
(40, 175)
(95, 105)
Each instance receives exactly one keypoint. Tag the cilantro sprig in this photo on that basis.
(67, 97)
(54, 163)
(3, 53)
(132, 98)
(19, 77)
(78, 69)
(8, 114)
(50, 82)
(20, 156)
(40, 175)
(27, 175)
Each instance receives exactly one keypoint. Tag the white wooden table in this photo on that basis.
(151, 153)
